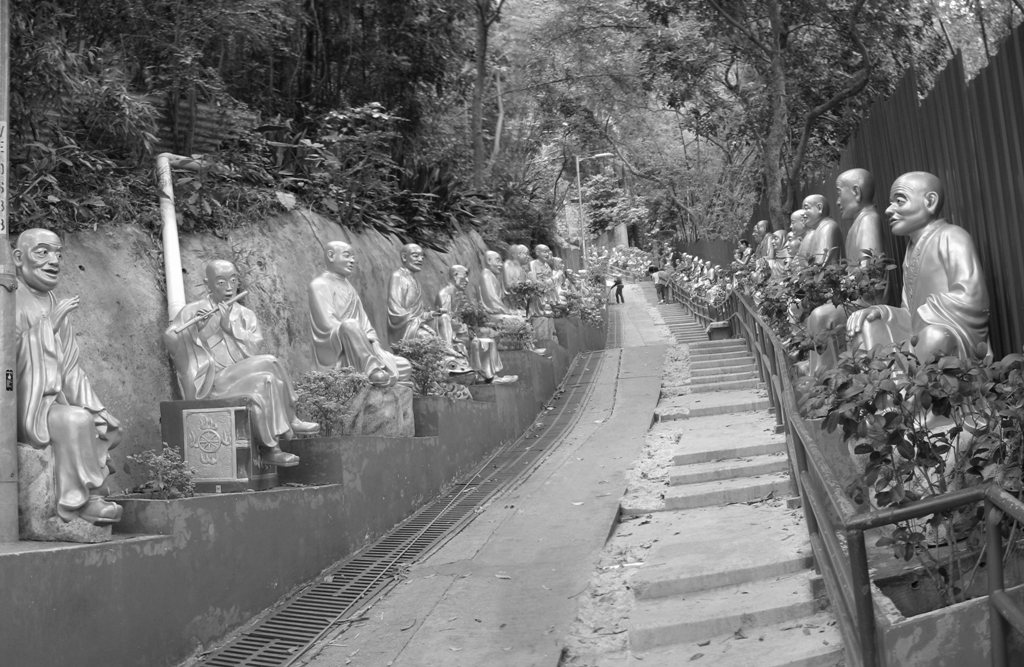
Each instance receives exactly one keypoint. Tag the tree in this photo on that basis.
(487, 13)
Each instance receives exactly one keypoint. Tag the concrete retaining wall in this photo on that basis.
(193, 570)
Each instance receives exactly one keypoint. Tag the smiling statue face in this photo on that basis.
(412, 257)
(340, 258)
(460, 277)
(914, 201)
(813, 209)
(221, 280)
(543, 253)
(37, 258)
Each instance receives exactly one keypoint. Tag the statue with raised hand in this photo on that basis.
(945, 304)
(215, 343)
(57, 407)
(855, 190)
(342, 332)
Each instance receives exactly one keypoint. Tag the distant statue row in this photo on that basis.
(214, 344)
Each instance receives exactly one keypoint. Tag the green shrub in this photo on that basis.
(167, 475)
(427, 356)
(323, 395)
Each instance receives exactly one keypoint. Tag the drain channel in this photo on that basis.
(288, 632)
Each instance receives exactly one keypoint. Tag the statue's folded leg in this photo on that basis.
(891, 328)
(79, 458)
(825, 319)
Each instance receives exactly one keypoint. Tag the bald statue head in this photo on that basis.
(915, 199)
(492, 261)
(340, 258)
(796, 222)
(815, 208)
(459, 276)
(855, 189)
(412, 257)
(542, 252)
(37, 257)
(760, 229)
(519, 253)
(221, 280)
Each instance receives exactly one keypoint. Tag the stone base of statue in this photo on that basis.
(214, 439)
(543, 328)
(378, 411)
(37, 503)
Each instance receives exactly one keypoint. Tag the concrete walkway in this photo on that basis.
(505, 590)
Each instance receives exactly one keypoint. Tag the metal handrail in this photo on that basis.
(829, 513)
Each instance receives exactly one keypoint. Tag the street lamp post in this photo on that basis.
(579, 201)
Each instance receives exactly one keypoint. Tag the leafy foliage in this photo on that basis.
(167, 475)
(323, 395)
(514, 333)
(427, 356)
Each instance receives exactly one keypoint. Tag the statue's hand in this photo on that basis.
(855, 322)
(63, 308)
(225, 316)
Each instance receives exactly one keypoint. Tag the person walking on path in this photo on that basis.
(659, 285)
(617, 286)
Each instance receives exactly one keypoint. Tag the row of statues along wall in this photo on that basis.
(944, 308)
(214, 344)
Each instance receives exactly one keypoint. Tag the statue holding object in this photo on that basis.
(214, 344)
(945, 304)
(482, 352)
(58, 410)
(342, 332)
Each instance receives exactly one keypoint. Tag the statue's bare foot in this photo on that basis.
(505, 379)
(303, 427)
(379, 378)
(98, 510)
(275, 457)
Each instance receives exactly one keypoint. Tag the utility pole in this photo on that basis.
(8, 283)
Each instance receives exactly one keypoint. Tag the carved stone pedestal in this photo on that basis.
(543, 328)
(37, 503)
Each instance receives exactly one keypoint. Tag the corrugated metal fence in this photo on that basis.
(971, 135)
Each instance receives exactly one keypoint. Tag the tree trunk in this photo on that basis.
(477, 110)
(779, 122)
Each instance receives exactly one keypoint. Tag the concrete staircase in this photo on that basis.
(728, 580)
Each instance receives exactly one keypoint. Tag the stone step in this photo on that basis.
(712, 471)
(730, 361)
(698, 454)
(705, 386)
(808, 641)
(697, 357)
(714, 403)
(722, 611)
(724, 374)
(720, 345)
(715, 438)
(765, 540)
(725, 491)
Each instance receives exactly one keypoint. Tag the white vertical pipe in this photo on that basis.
(169, 232)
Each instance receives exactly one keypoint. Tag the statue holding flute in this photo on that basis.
(214, 344)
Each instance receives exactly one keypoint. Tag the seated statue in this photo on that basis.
(482, 352)
(492, 296)
(541, 272)
(855, 190)
(823, 240)
(761, 238)
(214, 344)
(515, 270)
(559, 277)
(57, 407)
(408, 316)
(945, 304)
(342, 332)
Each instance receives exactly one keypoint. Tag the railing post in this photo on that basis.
(864, 605)
(996, 623)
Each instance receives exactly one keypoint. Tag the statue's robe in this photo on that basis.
(823, 244)
(482, 352)
(542, 273)
(408, 318)
(342, 332)
(865, 235)
(212, 363)
(943, 286)
(514, 273)
(57, 406)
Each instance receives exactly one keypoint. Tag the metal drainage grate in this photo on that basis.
(292, 629)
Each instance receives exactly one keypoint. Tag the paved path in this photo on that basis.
(505, 590)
